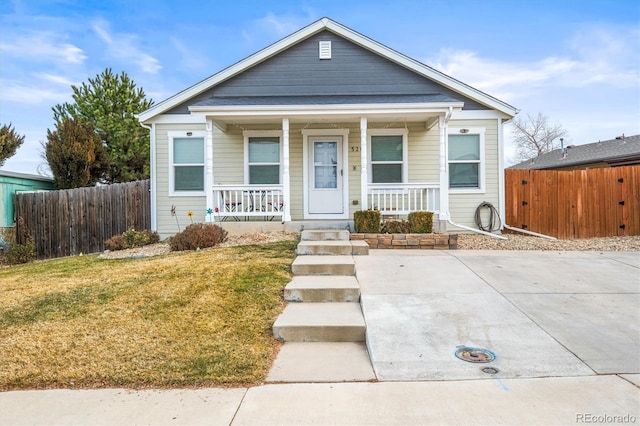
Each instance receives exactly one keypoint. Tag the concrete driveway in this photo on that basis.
(543, 314)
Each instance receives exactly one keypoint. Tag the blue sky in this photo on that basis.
(577, 61)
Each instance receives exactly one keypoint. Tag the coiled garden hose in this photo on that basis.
(494, 217)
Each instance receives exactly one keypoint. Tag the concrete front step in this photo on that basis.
(323, 265)
(305, 362)
(332, 248)
(322, 289)
(324, 235)
(320, 322)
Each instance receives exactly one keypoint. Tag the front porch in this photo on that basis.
(266, 203)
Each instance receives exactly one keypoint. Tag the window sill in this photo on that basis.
(187, 194)
(467, 191)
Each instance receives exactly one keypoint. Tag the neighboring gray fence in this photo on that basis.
(74, 221)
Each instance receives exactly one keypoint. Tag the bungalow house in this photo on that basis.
(620, 151)
(321, 124)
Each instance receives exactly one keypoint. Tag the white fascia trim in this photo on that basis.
(484, 114)
(350, 35)
(180, 119)
(277, 110)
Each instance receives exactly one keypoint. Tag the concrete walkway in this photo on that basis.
(564, 326)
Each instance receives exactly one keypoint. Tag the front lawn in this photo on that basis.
(184, 319)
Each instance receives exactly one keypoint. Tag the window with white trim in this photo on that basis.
(388, 156)
(187, 164)
(263, 159)
(465, 155)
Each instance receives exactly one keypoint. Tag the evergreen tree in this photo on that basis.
(75, 154)
(110, 102)
(10, 141)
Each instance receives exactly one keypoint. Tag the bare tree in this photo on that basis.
(534, 135)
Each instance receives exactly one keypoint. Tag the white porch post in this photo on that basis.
(364, 177)
(444, 175)
(286, 215)
(208, 181)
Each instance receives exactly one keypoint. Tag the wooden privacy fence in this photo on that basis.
(603, 202)
(74, 221)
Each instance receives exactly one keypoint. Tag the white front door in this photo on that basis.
(326, 175)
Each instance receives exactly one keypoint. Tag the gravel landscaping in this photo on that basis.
(465, 242)
(522, 242)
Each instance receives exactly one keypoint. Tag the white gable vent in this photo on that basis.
(324, 49)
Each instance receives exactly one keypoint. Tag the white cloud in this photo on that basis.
(188, 59)
(596, 57)
(56, 79)
(42, 47)
(31, 94)
(124, 46)
(280, 25)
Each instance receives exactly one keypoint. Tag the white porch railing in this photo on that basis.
(242, 202)
(403, 198)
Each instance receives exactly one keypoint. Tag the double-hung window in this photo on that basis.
(466, 154)
(187, 163)
(263, 157)
(388, 156)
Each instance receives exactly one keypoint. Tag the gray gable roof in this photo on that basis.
(613, 151)
(244, 70)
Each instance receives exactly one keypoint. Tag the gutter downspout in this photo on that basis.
(535, 234)
(489, 234)
(152, 174)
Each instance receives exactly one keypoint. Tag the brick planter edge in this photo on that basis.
(409, 241)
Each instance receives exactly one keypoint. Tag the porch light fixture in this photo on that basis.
(189, 133)
(464, 130)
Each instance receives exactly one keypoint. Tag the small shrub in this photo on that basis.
(26, 251)
(395, 227)
(367, 221)
(22, 253)
(198, 236)
(115, 243)
(7, 239)
(421, 222)
(131, 238)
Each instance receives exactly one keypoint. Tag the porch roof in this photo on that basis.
(430, 98)
(334, 108)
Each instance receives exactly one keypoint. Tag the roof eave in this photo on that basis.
(435, 107)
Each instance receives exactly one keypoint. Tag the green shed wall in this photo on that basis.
(9, 185)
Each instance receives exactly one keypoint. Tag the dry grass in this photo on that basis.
(183, 319)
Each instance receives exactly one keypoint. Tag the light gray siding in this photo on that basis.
(463, 206)
(352, 70)
(167, 224)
